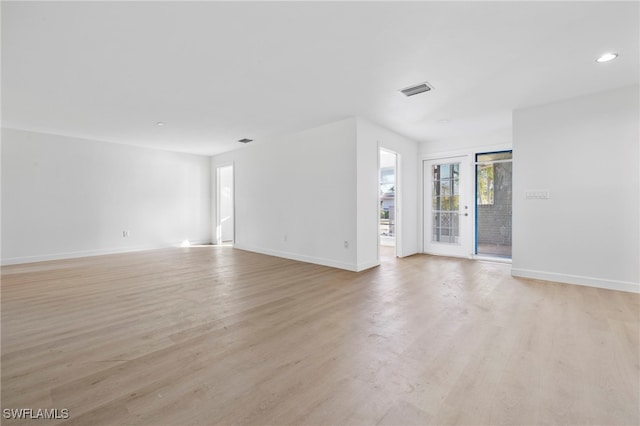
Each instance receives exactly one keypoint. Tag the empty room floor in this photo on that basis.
(215, 335)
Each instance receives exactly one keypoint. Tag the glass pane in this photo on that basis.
(494, 156)
(493, 209)
(387, 176)
(445, 188)
(455, 222)
(484, 183)
(445, 202)
(445, 171)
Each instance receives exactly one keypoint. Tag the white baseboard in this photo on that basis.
(410, 253)
(367, 265)
(302, 258)
(577, 280)
(88, 253)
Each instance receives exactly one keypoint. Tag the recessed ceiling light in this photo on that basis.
(607, 57)
(245, 140)
(160, 123)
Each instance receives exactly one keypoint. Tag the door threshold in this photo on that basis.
(496, 259)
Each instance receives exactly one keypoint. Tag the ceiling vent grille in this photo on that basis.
(418, 88)
(245, 140)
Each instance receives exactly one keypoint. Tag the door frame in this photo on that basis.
(466, 224)
(218, 221)
(475, 221)
(397, 202)
(471, 153)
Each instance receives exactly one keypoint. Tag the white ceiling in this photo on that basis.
(217, 72)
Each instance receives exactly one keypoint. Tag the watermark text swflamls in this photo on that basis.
(36, 413)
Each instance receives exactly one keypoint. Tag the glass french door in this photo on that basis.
(447, 211)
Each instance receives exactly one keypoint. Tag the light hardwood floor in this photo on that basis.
(214, 335)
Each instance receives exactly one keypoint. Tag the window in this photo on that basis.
(445, 201)
(485, 184)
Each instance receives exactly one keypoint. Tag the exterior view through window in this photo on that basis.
(446, 203)
(387, 180)
(493, 203)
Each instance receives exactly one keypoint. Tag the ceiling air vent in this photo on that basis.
(418, 88)
(245, 140)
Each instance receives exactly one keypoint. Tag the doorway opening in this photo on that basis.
(388, 189)
(388, 203)
(225, 227)
(494, 194)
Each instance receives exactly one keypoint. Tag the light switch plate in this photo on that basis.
(537, 194)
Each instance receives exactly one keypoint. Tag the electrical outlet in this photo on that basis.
(125, 234)
(346, 244)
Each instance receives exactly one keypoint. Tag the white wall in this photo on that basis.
(585, 152)
(295, 196)
(302, 196)
(473, 143)
(65, 197)
(371, 137)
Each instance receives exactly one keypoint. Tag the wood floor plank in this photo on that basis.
(215, 335)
